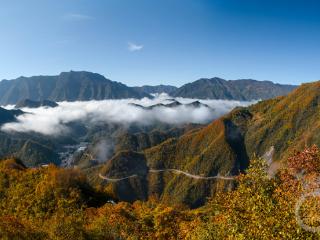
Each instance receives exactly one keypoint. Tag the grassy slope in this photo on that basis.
(286, 123)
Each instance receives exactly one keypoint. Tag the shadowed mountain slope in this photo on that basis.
(81, 86)
(27, 103)
(8, 115)
(68, 86)
(243, 89)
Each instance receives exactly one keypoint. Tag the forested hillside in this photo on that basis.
(223, 147)
(53, 203)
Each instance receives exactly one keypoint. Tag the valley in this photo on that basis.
(172, 155)
(190, 162)
(160, 120)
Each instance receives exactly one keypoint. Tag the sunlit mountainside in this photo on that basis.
(160, 120)
(164, 150)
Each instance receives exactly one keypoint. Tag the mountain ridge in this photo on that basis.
(67, 86)
(84, 86)
(284, 124)
(241, 89)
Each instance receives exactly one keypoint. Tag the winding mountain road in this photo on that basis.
(176, 171)
(189, 174)
(117, 179)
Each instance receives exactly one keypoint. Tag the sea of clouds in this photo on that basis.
(53, 121)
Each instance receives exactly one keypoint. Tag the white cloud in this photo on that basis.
(132, 47)
(76, 17)
(53, 121)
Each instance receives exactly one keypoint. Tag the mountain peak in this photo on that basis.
(78, 75)
(67, 86)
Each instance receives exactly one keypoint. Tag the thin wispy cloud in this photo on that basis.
(76, 17)
(132, 47)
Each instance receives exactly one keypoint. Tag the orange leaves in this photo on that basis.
(65, 178)
(13, 228)
(53, 201)
(307, 161)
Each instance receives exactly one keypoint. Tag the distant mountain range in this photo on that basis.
(68, 86)
(242, 89)
(81, 86)
(156, 89)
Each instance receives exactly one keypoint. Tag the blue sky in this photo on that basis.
(162, 42)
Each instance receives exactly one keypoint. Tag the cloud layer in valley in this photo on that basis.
(53, 121)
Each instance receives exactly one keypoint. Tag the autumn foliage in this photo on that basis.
(54, 203)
